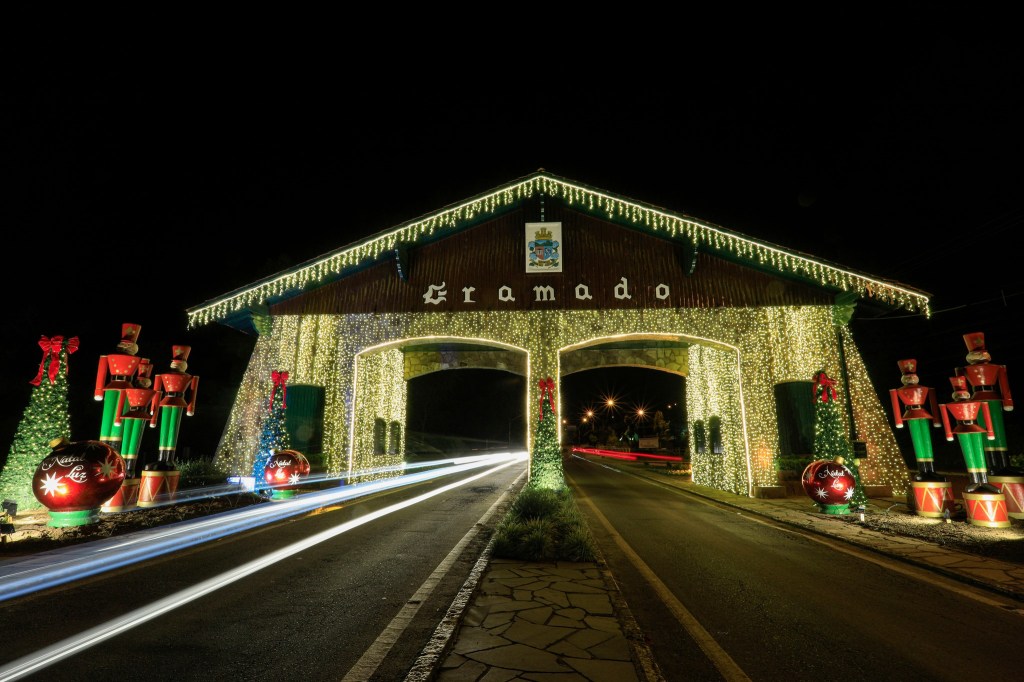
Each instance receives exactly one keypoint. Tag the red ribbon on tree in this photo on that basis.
(278, 378)
(547, 388)
(828, 385)
(51, 349)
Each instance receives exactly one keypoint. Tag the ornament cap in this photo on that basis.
(59, 442)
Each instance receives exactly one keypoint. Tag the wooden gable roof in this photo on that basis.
(479, 244)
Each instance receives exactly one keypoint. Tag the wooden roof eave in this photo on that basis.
(722, 243)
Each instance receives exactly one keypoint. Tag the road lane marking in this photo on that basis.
(371, 659)
(896, 565)
(717, 655)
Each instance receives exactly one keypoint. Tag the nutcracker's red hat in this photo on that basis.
(145, 368)
(180, 352)
(959, 383)
(130, 332)
(975, 340)
(908, 366)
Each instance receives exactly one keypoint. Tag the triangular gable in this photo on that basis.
(701, 235)
(598, 265)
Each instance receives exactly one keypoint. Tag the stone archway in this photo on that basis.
(380, 390)
(710, 367)
(736, 357)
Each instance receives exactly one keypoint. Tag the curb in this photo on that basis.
(427, 663)
(643, 657)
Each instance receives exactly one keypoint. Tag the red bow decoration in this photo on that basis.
(828, 385)
(547, 389)
(51, 348)
(278, 378)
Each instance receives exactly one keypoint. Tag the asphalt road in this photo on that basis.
(365, 601)
(722, 595)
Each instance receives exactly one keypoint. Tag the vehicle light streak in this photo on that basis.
(235, 486)
(668, 458)
(600, 464)
(73, 645)
(613, 454)
(50, 569)
(632, 457)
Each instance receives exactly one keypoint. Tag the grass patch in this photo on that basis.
(544, 525)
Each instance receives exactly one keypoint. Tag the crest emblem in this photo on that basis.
(543, 247)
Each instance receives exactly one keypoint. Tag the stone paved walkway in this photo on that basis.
(541, 622)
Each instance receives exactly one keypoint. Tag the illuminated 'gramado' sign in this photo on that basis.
(544, 254)
(438, 293)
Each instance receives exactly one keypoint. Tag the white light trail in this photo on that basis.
(50, 569)
(73, 645)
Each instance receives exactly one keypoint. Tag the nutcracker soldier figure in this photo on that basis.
(160, 478)
(990, 384)
(986, 506)
(136, 407)
(933, 494)
(120, 366)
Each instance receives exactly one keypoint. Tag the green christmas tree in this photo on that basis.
(45, 419)
(830, 439)
(274, 435)
(546, 460)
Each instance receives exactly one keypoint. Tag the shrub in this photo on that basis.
(536, 503)
(539, 541)
(200, 472)
(544, 525)
(577, 545)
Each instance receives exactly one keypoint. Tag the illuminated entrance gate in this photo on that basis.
(539, 269)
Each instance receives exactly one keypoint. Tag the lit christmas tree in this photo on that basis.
(830, 439)
(274, 435)
(546, 461)
(45, 419)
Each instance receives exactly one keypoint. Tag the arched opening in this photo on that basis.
(465, 410)
(625, 407)
(429, 411)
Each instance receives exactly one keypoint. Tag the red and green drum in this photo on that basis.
(933, 499)
(986, 509)
(1013, 488)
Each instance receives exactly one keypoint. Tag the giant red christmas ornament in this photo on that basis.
(830, 484)
(75, 479)
(283, 472)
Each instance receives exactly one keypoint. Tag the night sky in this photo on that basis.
(136, 188)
